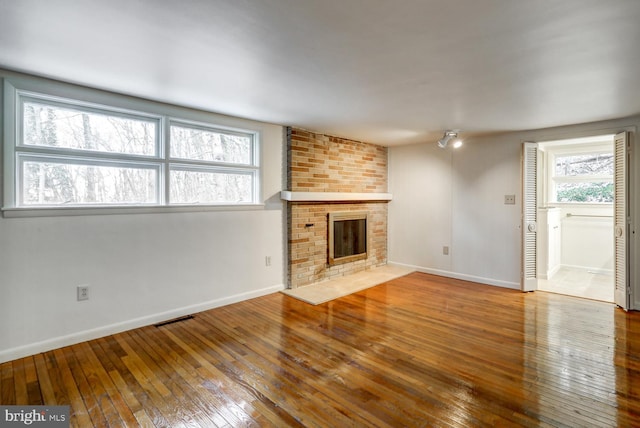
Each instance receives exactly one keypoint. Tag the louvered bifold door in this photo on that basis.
(621, 296)
(529, 216)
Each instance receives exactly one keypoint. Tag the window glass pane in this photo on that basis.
(589, 164)
(584, 192)
(65, 127)
(198, 187)
(210, 145)
(50, 183)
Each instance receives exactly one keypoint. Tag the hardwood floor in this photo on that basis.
(420, 350)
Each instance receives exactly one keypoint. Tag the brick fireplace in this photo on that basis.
(325, 175)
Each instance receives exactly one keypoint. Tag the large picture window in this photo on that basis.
(70, 153)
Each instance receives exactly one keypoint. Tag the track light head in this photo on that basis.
(448, 136)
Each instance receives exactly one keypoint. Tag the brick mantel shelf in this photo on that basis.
(333, 196)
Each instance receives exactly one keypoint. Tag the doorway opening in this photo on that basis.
(575, 193)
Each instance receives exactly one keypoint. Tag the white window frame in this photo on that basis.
(553, 180)
(252, 168)
(56, 157)
(16, 91)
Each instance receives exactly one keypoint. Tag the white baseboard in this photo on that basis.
(590, 269)
(472, 278)
(553, 271)
(83, 336)
(549, 273)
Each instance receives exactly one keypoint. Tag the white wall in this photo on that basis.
(419, 215)
(485, 230)
(587, 242)
(141, 268)
(456, 199)
(484, 234)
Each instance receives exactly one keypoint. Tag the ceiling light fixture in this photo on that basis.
(448, 136)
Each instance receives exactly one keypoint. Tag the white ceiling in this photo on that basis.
(382, 71)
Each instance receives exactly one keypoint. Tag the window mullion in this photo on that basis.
(583, 179)
(165, 144)
(182, 163)
(85, 154)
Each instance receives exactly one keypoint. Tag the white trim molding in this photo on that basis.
(86, 335)
(287, 195)
(465, 277)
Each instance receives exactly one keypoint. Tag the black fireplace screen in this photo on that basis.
(347, 236)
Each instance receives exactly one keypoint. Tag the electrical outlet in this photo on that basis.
(509, 199)
(445, 250)
(83, 292)
(267, 261)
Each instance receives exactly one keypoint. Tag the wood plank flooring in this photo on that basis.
(420, 350)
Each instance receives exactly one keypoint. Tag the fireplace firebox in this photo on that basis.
(347, 236)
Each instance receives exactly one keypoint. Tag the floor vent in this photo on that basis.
(184, 318)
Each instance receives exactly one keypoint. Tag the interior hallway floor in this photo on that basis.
(580, 283)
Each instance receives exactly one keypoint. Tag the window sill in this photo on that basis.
(102, 210)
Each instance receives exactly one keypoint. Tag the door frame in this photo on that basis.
(529, 282)
(529, 162)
